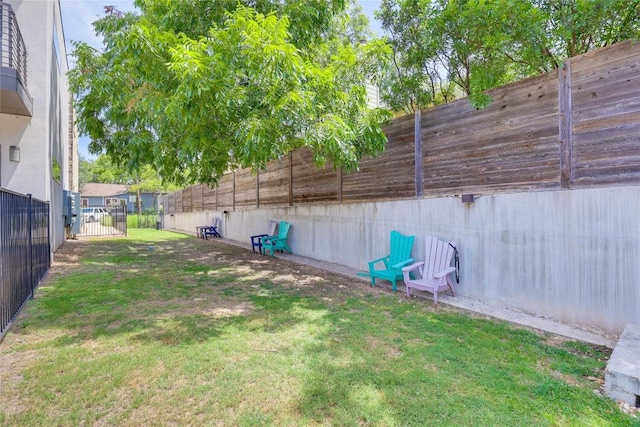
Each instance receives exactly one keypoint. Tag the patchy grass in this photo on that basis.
(161, 329)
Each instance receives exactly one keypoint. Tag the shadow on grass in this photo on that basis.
(174, 293)
(269, 342)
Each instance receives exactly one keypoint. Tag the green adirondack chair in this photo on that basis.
(278, 242)
(399, 256)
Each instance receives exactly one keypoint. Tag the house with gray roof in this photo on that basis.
(96, 194)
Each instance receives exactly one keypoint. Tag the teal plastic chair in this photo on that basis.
(399, 256)
(278, 242)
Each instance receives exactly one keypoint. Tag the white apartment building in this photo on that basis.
(38, 142)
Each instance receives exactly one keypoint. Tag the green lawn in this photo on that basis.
(164, 329)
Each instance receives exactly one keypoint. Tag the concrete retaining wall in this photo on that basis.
(573, 256)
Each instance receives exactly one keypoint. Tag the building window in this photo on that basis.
(132, 198)
(123, 202)
(110, 202)
(84, 203)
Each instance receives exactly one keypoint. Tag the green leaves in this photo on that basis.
(195, 101)
(478, 45)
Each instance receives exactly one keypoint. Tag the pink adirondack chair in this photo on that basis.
(434, 273)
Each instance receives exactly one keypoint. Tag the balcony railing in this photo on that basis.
(13, 52)
(13, 66)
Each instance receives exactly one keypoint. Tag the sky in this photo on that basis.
(78, 16)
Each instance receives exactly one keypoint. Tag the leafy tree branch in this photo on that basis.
(195, 90)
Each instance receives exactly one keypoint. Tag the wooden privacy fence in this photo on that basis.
(575, 127)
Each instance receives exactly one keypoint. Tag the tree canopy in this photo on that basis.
(446, 47)
(195, 88)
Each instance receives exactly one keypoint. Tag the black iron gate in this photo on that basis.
(103, 221)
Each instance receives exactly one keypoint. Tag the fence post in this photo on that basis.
(50, 261)
(125, 212)
(258, 189)
(290, 178)
(419, 174)
(565, 125)
(339, 173)
(202, 198)
(30, 240)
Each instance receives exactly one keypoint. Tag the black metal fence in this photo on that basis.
(103, 221)
(25, 252)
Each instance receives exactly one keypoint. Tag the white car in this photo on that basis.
(93, 214)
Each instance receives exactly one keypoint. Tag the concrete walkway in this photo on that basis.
(476, 306)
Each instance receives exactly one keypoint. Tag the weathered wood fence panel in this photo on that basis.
(606, 116)
(311, 184)
(575, 127)
(513, 144)
(245, 189)
(389, 176)
(224, 193)
(209, 198)
(178, 202)
(274, 184)
(197, 197)
(169, 202)
(187, 205)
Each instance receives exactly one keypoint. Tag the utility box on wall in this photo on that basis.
(71, 210)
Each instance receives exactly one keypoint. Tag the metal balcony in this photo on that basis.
(14, 97)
